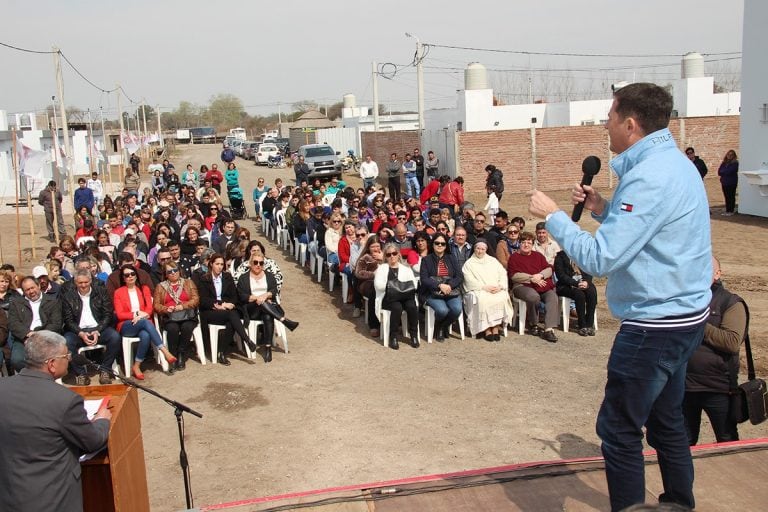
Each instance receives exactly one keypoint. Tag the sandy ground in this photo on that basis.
(341, 409)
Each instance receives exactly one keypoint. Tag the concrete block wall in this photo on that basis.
(381, 144)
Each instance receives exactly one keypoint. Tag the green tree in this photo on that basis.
(225, 111)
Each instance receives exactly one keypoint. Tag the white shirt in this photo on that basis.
(95, 186)
(35, 305)
(258, 286)
(217, 285)
(87, 320)
(154, 167)
(369, 170)
(133, 295)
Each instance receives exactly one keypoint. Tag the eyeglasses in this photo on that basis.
(129, 274)
(438, 243)
(258, 263)
(172, 271)
(390, 254)
(68, 355)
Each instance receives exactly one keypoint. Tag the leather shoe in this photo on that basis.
(251, 345)
(222, 359)
(415, 341)
(181, 364)
(105, 378)
(268, 353)
(549, 335)
(82, 380)
(447, 331)
(393, 344)
(497, 337)
(591, 331)
(489, 337)
(290, 324)
(437, 331)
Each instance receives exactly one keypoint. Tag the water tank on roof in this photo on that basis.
(475, 77)
(350, 101)
(692, 65)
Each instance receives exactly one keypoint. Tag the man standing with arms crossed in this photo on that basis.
(654, 244)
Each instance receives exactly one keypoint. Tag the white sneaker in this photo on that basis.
(356, 313)
(727, 214)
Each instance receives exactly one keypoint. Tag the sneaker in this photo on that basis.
(105, 378)
(534, 330)
(727, 214)
(590, 331)
(82, 380)
(356, 313)
(583, 331)
(549, 335)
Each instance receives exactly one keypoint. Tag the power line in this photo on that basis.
(27, 50)
(566, 54)
(84, 77)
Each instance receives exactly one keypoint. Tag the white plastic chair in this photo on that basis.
(429, 321)
(86, 348)
(253, 326)
(522, 310)
(280, 227)
(471, 298)
(213, 333)
(128, 342)
(385, 316)
(565, 308)
(197, 337)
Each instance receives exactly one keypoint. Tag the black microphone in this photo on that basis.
(590, 166)
(81, 360)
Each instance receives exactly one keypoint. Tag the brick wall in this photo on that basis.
(381, 144)
(559, 152)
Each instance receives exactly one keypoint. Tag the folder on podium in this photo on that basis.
(116, 478)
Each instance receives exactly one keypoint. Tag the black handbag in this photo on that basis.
(437, 294)
(748, 400)
(399, 291)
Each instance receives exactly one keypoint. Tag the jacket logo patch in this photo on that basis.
(626, 207)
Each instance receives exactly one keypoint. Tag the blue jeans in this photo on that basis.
(646, 384)
(446, 310)
(412, 187)
(146, 332)
(368, 182)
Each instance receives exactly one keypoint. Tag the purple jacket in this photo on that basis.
(729, 173)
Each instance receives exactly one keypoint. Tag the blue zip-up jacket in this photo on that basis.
(654, 239)
(84, 197)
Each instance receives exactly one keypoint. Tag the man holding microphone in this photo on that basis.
(654, 245)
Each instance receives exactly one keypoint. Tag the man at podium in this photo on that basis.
(44, 430)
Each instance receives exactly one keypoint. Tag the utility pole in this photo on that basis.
(107, 165)
(90, 143)
(159, 128)
(121, 169)
(419, 78)
(375, 78)
(146, 137)
(68, 160)
(279, 114)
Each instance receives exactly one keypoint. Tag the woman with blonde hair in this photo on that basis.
(175, 302)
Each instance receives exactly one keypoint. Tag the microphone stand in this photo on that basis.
(179, 409)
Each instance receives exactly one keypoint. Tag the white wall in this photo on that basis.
(753, 199)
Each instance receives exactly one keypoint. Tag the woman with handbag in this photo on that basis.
(371, 257)
(440, 285)
(218, 306)
(395, 286)
(574, 283)
(257, 289)
(133, 308)
(176, 301)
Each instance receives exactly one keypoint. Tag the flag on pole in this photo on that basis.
(31, 161)
(130, 142)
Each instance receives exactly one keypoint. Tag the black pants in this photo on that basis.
(256, 312)
(393, 184)
(716, 405)
(729, 192)
(373, 320)
(179, 335)
(229, 318)
(586, 302)
(397, 308)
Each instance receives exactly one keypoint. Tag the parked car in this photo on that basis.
(264, 152)
(322, 160)
(228, 140)
(236, 145)
(249, 149)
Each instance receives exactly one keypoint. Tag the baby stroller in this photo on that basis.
(237, 210)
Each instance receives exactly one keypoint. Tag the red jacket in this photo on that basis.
(215, 176)
(452, 193)
(122, 304)
(432, 188)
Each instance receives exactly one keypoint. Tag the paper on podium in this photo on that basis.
(91, 408)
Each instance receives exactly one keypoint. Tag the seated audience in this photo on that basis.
(175, 302)
(365, 270)
(574, 283)
(396, 285)
(486, 279)
(440, 281)
(34, 312)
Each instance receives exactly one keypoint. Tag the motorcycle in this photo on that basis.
(350, 161)
(276, 162)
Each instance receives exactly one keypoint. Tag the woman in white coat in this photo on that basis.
(396, 285)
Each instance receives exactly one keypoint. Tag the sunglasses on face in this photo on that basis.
(172, 271)
(512, 232)
(360, 235)
(390, 254)
(257, 263)
(129, 274)
(438, 243)
(336, 221)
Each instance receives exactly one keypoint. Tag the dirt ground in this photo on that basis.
(341, 409)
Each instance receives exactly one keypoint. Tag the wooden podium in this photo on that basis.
(116, 479)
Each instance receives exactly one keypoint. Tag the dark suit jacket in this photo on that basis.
(244, 287)
(20, 316)
(428, 280)
(101, 308)
(207, 291)
(43, 431)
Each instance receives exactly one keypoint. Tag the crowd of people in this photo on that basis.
(428, 248)
(152, 267)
